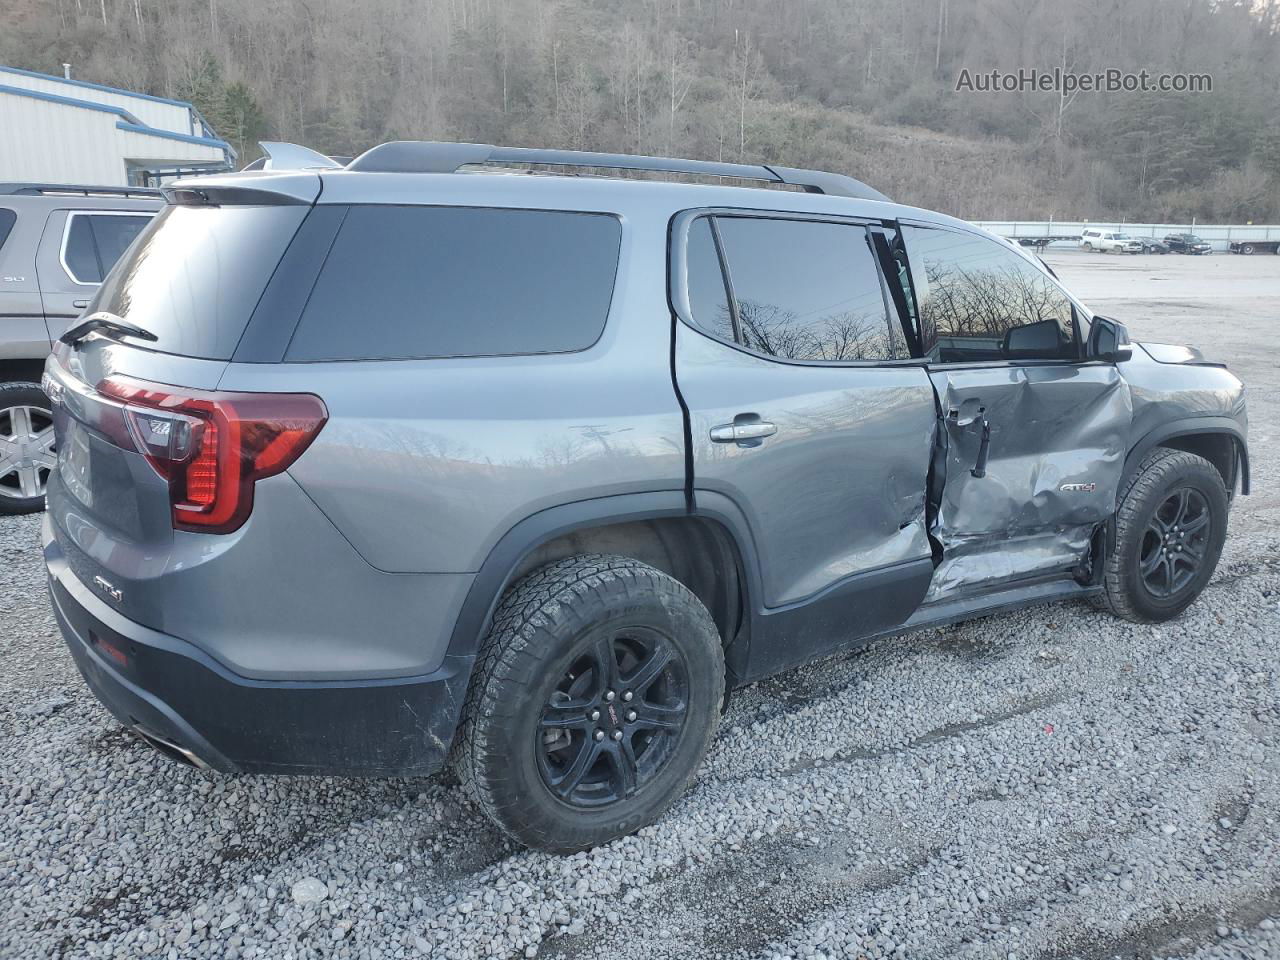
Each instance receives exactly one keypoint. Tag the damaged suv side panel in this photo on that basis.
(1056, 448)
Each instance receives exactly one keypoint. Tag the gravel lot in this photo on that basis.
(1053, 783)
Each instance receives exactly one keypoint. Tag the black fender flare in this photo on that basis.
(1190, 427)
(495, 574)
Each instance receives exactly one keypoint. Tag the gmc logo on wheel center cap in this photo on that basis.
(613, 715)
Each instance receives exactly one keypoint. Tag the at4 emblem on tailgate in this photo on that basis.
(113, 592)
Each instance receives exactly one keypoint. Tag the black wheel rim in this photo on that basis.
(614, 718)
(1174, 543)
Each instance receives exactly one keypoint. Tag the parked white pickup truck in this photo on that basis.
(1108, 240)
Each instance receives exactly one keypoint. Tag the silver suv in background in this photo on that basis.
(57, 242)
(364, 470)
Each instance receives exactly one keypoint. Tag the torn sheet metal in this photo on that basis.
(1058, 436)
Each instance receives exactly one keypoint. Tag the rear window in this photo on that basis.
(416, 282)
(197, 272)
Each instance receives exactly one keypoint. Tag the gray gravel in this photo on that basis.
(1052, 783)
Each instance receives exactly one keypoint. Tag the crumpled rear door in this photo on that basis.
(1055, 454)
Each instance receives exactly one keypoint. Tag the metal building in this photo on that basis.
(54, 130)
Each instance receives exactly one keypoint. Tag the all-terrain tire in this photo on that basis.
(27, 396)
(539, 633)
(1156, 485)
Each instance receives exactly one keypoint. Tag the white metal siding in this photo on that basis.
(152, 113)
(54, 143)
(141, 146)
(49, 142)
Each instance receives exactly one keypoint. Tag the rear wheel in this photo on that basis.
(1170, 527)
(594, 699)
(27, 453)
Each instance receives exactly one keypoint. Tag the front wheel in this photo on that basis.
(594, 699)
(1170, 527)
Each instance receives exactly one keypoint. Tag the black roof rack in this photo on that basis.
(75, 190)
(424, 156)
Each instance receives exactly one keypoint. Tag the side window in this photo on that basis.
(94, 242)
(460, 282)
(7, 219)
(980, 301)
(807, 290)
(80, 253)
(708, 298)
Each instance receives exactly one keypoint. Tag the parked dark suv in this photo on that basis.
(365, 468)
(57, 242)
(1187, 243)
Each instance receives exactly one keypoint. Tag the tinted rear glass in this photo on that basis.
(405, 282)
(80, 256)
(113, 236)
(7, 219)
(806, 290)
(196, 273)
(707, 297)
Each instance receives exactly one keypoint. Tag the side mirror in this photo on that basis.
(1108, 341)
(1033, 341)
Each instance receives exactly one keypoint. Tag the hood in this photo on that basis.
(1177, 353)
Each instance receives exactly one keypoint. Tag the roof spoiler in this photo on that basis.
(290, 156)
(423, 156)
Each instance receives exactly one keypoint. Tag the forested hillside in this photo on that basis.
(861, 86)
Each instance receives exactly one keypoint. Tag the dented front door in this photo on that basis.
(1056, 440)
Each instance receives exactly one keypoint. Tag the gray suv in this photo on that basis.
(367, 469)
(57, 242)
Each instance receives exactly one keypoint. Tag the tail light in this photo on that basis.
(212, 446)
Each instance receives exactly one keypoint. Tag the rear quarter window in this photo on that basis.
(7, 219)
(405, 282)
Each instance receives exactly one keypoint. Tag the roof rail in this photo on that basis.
(75, 190)
(290, 156)
(425, 156)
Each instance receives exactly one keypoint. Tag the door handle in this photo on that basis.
(968, 419)
(79, 304)
(746, 432)
(984, 443)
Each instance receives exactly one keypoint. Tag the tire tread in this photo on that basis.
(1152, 472)
(551, 597)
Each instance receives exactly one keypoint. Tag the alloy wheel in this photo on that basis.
(27, 451)
(1174, 543)
(614, 717)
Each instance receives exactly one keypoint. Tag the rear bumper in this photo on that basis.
(192, 708)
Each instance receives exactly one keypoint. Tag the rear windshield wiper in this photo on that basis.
(107, 323)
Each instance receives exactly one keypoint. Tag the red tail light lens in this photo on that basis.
(212, 446)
